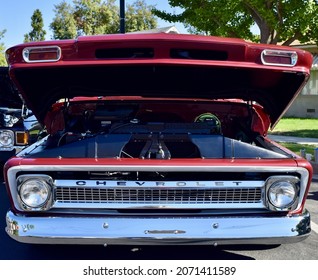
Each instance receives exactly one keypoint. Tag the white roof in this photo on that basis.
(169, 29)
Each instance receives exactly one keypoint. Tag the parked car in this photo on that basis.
(18, 126)
(157, 139)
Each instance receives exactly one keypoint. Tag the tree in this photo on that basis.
(96, 17)
(90, 17)
(64, 24)
(279, 21)
(37, 33)
(139, 17)
(2, 49)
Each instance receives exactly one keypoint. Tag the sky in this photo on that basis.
(15, 17)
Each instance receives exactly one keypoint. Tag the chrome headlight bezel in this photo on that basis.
(4, 136)
(285, 189)
(42, 190)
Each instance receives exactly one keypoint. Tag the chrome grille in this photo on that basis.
(170, 196)
(183, 196)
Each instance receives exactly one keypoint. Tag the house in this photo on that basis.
(168, 29)
(306, 104)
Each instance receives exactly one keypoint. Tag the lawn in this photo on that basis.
(300, 128)
(297, 127)
(309, 149)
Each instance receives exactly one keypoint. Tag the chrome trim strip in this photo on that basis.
(190, 230)
(158, 205)
(16, 148)
(160, 184)
(304, 174)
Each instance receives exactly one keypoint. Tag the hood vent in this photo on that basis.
(198, 54)
(124, 53)
(131, 53)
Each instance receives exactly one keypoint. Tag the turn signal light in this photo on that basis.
(279, 58)
(22, 138)
(41, 54)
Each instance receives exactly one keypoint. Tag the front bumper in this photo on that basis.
(132, 230)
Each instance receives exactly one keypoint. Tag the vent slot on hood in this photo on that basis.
(178, 53)
(124, 53)
(198, 54)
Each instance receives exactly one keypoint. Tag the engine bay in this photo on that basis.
(156, 129)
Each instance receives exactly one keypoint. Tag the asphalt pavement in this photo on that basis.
(292, 139)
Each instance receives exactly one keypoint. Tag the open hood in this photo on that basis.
(159, 65)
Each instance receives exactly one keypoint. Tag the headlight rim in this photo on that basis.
(11, 133)
(271, 181)
(47, 204)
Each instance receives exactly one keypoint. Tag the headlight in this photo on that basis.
(282, 192)
(35, 192)
(6, 138)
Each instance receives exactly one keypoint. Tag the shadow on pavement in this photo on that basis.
(75, 252)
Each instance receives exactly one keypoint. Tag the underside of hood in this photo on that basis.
(273, 90)
(225, 69)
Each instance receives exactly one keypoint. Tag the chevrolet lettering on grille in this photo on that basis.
(91, 183)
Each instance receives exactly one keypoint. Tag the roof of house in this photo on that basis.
(169, 29)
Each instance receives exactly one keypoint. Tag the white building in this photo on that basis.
(306, 104)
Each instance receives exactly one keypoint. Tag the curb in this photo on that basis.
(314, 178)
(315, 168)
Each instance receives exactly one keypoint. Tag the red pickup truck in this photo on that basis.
(157, 139)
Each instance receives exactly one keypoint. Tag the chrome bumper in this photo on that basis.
(158, 230)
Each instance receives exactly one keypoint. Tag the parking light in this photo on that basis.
(279, 58)
(22, 138)
(42, 54)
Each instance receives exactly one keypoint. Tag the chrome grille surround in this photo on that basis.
(151, 194)
(13, 172)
